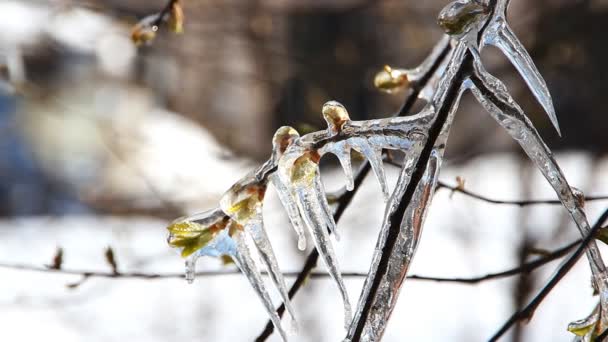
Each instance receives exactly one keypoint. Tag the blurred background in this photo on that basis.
(102, 143)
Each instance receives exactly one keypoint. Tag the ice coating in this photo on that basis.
(458, 17)
(385, 299)
(496, 100)
(499, 34)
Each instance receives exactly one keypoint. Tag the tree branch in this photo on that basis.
(346, 198)
(524, 268)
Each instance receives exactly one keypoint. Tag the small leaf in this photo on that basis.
(191, 236)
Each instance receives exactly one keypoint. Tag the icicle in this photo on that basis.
(507, 112)
(374, 156)
(288, 200)
(246, 264)
(243, 202)
(342, 150)
(262, 243)
(326, 210)
(315, 219)
(283, 138)
(499, 34)
(304, 176)
(190, 264)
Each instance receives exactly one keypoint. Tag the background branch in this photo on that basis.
(86, 274)
(527, 312)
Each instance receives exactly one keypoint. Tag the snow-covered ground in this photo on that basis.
(463, 237)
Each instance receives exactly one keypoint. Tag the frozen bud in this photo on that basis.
(335, 115)
(243, 201)
(284, 136)
(145, 30)
(458, 16)
(195, 232)
(579, 196)
(305, 168)
(391, 80)
(176, 18)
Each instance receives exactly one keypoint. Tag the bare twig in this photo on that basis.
(521, 203)
(86, 274)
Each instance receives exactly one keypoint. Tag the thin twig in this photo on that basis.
(521, 203)
(527, 312)
(524, 268)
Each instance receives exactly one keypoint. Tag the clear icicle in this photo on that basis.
(190, 264)
(243, 202)
(374, 156)
(342, 151)
(262, 243)
(507, 112)
(246, 264)
(326, 212)
(316, 221)
(287, 198)
(499, 34)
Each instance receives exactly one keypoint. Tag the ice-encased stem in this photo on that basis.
(493, 96)
(383, 303)
(262, 243)
(287, 198)
(315, 218)
(245, 263)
